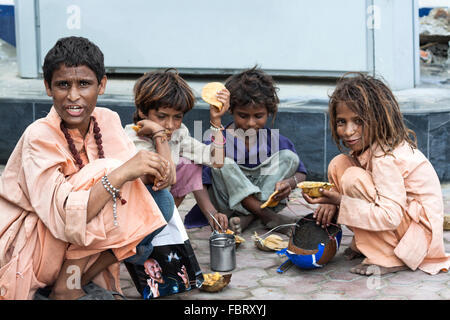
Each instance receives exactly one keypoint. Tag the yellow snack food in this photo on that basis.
(238, 239)
(214, 282)
(211, 278)
(136, 128)
(272, 242)
(209, 94)
(311, 188)
(270, 202)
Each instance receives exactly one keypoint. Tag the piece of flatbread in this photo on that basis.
(311, 188)
(209, 92)
(270, 202)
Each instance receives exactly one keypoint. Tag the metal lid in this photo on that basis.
(222, 240)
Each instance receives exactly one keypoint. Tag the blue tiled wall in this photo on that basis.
(308, 130)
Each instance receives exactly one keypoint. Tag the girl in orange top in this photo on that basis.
(387, 192)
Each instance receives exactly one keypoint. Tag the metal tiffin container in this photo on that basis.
(222, 250)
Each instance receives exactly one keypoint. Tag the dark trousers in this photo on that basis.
(164, 200)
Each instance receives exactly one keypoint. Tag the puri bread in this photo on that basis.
(311, 188)
(270, 202)
(209, 92)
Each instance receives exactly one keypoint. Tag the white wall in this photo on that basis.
(285, 37)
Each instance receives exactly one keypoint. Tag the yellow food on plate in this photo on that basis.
(270, 202)
(272, 242)
(214, 282)
(238, 239)
(211, 278)
(209, 92)
(311, 188)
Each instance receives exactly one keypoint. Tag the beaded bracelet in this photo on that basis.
(216, 129)
(115, 193)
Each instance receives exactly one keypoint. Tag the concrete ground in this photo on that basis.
(255, 276)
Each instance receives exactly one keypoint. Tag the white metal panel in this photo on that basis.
(26, 42)
(323, 36)
(395, 43)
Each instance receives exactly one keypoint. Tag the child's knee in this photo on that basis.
(189, 178)
(356, 182)
(341, 161)
(230, 167)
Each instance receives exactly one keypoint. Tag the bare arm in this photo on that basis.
(203, 201)
(285, 186)
(151, 128)
(218, 145)
(143, 163)
(162, 147)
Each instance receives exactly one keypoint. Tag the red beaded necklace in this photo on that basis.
(73, 149)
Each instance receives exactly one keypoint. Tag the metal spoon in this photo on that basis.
(212, 216)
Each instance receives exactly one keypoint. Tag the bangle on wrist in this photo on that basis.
(156, 132)
(162, 136)
(215, 128)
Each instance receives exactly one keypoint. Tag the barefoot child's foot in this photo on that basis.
(235, 225)
(351, 254)
(370, 269)
(239, 224)
(352, 251)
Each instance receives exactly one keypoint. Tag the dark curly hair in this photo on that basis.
(375, 104)
(162, 89)
(253, 87)
(74, 52)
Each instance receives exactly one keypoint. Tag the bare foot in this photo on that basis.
(372, 269)
(351, 254)
(239, 224)
(235, 225)
(352, 251)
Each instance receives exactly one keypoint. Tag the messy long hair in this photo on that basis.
(376, 106)
(159, 89)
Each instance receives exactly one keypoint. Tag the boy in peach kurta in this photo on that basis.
(56, 211)
(43, 200)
